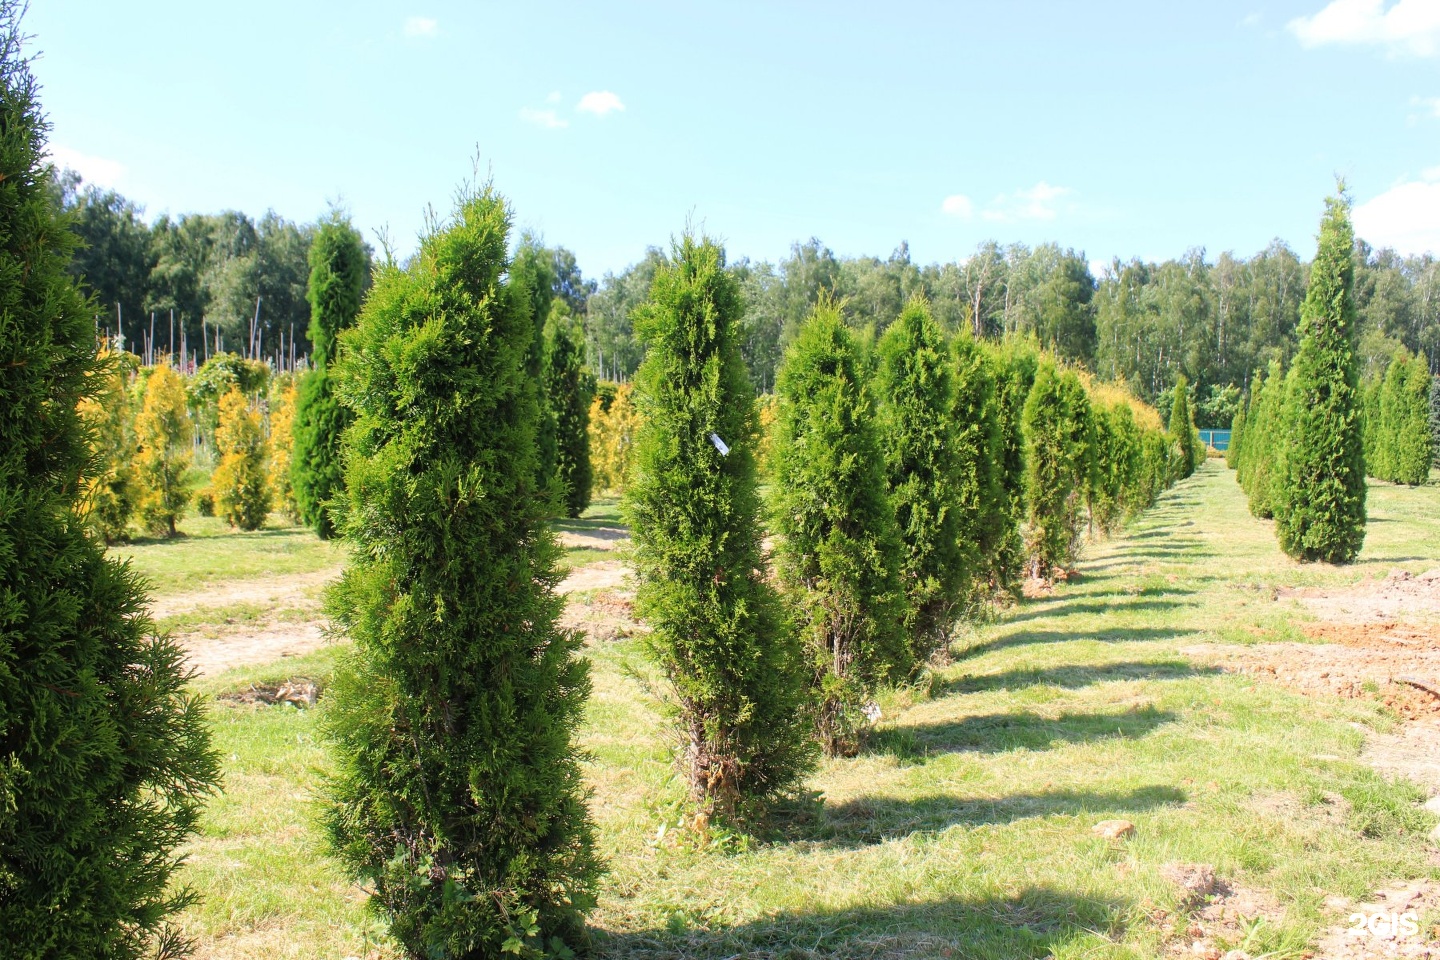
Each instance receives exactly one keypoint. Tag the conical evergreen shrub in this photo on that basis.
(719, 636)
(1182, 426)
(532, 271)
(838, 552)
(1435, 420)
(163, 437)
(1320, 511)
(1234, 451)
(570, 388)
(456, 795)
(1058, 458)
(1116, 465)
(280, 448)
(1404, 414)
(240, 485)
(914, 382)
(110, 489)
(1373, 429)
(338, 267)
(1262, 466)
(104, 755)
(1013, 365)
(978, 447)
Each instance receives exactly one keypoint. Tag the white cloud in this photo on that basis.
(421, 27)
(1408, 27)
(1251, 20)
(599, 102)
(1430, 105)
(1036, 203)
(1405, 217)
(1099, 269)
(554, 97)
(548, 119)
(96, 170)
(958, 205)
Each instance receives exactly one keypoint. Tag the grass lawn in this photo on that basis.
(965, 828)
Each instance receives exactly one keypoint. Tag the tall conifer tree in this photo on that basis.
(457, 793)
(1058, 459)
(104, 756)
(915, 381)
(718, 634)
(570, 388)
(1320, 512)
(338, 265)
(839, 550)
(1182, 425)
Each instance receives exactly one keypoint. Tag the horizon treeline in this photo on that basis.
(1145, 324)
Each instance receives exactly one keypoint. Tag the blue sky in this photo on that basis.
(1121, 129)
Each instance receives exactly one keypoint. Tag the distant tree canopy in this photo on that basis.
(1216, 320)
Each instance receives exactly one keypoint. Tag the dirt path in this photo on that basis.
(224, 646)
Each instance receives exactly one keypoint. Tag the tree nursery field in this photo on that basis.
(1166, 684)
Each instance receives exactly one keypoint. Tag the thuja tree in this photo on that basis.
(163, 436)
(915, 381)
(1405, 422)
(979, 462)
(1013, 365)
(104, 756)
(240, 485)
(1057, 468)
(1264, 434)
(338, 266)
(1182, 426)
(1435, 420)
(1116, 465)
(1372, 429)
(110, 488)
(1233, 451)
(457, 794)
(1320, 513)
(838, 550)
(570, 388)
(281, 445)
(532, 273)
(718, 634)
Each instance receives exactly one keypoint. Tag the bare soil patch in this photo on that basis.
(297, 590)
(1349, 941)
(604, 575)
(595, 538)
(602, 616)
(1402, 597)
(250, 645)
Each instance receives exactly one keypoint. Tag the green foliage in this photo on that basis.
(240, 484)
(1013, 365)
(163, 435)
(1182, 428)
(1057, 468)
(1320, 511)
(1115, 477)
(281, 445)
(978, 445)
(1397, 422)
(104, 757)
(1261, 464)
(612, 435)
(1233, 452)
(719, 635)
(570, 389)
(457, 794)
(838, 554)
(110, 489)
(532, 270)
(1435, 419)
(915, 384)
(222, 373)
(338, 267)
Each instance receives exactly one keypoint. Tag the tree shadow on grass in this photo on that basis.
(1032, 923)
(1119, 603)
(870, 820)
(1003, 732)
(1074, 676)
(1024, 638)
(183, 538)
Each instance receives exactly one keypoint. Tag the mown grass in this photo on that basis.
(965, 825)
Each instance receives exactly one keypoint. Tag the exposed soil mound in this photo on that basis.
(1402, 597)
(298, 691)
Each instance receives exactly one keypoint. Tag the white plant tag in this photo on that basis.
(720, 445)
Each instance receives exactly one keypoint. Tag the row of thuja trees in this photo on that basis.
(909, 479)
(273, 440)
(1308, 437)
